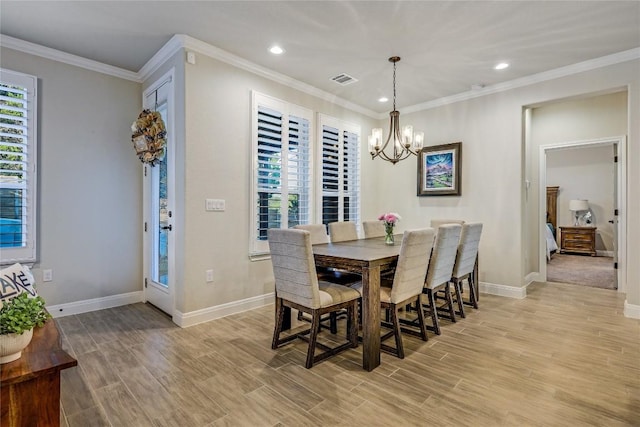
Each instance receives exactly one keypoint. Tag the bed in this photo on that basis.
(552, 221)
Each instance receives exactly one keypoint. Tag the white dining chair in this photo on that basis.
(373, 229)
(405, 288)
(465, 264)
(297, 287)
(343, 231)
(435, 223)
(443, 258)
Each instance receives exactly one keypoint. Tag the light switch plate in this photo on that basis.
(216, 205)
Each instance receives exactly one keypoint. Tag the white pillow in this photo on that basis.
(15, 280)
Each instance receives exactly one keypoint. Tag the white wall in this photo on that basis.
(585, 173)
(89, 202)
(493, 169)
(218, 165)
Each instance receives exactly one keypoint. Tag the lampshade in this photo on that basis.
(579, 205)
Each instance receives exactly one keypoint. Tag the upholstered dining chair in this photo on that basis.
(318, 232)
(373, 229)
(465, 263)
(406, 286)
(297, 287)
(319, 235)
(342, 231)
(435, 223)
(443, 258)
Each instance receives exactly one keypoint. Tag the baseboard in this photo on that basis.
(503, 290)
(534, 276)
(192, 318)
(631, 310)
(605, 253)
(78, 307)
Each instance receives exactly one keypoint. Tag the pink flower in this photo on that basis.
(389, 218)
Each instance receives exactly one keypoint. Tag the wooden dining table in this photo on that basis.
(368, 257)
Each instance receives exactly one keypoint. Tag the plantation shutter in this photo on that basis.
(330, 175)
(351, 177)
(340, 171)
(17, 166)
(283, 170)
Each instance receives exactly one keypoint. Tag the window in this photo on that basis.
(17, 167)
(340, 171)
(282, 175)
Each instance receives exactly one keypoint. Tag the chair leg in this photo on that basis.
(333, 323)
(472, 292)
(352, 325)
(313, 336)
(421, 321)
(447, 292)
(278, 326)
(434, 312)
(456, 286)
(396, 330)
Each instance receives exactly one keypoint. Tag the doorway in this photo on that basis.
(618, 187)
(158, 190)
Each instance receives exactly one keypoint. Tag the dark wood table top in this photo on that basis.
(367, 250)
(43, 355)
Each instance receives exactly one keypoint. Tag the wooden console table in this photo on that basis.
(580, 240)
(30, 386)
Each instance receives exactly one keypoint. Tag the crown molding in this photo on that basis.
(67, 58)
(169, 49)
(180, 41)
(191, 43)
(592, 64)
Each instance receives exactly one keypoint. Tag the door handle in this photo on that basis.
(611, 221)
(168, 227)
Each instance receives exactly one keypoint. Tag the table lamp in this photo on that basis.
(577, 206)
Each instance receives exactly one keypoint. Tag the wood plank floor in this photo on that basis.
(564, 356)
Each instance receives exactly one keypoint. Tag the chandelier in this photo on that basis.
(404, 143)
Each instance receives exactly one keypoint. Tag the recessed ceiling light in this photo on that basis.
(383, 99)
(276, 50)
(501, 66)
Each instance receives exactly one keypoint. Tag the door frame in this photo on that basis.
(147, 192)
(621, 201)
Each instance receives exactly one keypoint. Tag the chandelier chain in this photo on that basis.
(394, 86)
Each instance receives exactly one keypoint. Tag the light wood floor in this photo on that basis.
(564, 356)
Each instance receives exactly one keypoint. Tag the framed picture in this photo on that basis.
(439, 170)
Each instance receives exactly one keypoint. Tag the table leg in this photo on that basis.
(371, 318)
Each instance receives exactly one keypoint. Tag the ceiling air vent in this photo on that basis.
(344, 79)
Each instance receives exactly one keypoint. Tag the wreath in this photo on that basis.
(149, 137)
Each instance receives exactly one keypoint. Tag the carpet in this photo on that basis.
(597, 272)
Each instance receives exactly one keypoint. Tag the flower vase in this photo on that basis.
(388, 238)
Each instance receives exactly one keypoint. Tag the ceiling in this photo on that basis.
(446, 46)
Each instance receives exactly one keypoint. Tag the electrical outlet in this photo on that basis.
(209, 276)
(47, 275)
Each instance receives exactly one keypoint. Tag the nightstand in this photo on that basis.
(580, 240)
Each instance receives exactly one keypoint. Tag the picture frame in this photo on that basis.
(440, 170)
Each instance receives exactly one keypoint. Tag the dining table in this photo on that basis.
(368, 257)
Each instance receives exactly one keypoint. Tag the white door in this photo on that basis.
(158, 206)
(614, 221)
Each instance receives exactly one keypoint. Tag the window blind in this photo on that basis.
(283, 171)
(340, 174)
(15, 227)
